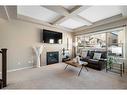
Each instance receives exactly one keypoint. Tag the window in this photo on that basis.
(115, 41)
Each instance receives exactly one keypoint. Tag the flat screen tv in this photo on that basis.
(52, 37)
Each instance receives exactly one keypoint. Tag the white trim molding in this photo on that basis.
(18, 69)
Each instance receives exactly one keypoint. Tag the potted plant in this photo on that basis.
(110, 61)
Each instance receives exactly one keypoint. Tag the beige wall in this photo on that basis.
(19, 37)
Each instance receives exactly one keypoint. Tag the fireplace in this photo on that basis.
(52, 57)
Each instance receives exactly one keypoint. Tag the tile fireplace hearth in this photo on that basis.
(52, 57)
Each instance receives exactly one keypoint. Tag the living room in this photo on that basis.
(33, 35)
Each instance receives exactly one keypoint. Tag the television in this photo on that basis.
(52, 37)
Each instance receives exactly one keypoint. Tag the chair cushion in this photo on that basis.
(93, 61)
(85, 59)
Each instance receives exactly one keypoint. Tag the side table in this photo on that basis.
(117, 69)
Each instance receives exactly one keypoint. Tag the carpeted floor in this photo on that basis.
(55, 77)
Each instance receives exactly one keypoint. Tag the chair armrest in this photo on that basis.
(102, 63)
(102, 59)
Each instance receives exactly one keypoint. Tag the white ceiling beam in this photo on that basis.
(29, 19)
(78, 9)
(64, 28)
(35, 21)
(81, 19)
(73, 14)
(58, 9)
(102, 22)
(60, 20)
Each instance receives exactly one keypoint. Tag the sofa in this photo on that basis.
(97, 64)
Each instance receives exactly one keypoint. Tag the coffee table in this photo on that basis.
(75, 64)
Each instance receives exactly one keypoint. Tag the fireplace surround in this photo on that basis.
(52, 57)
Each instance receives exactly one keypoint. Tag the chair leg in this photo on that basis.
(121, 71)
(80, 71)
(66, 67)
(86, 68)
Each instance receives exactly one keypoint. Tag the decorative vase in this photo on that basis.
(38, 50)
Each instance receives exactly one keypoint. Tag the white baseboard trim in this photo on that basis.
(19, 69)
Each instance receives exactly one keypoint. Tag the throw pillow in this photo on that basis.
(97, 56)
(84, 54)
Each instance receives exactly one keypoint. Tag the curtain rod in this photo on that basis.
(103, 29)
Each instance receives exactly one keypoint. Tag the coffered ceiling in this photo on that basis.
(67, 17)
